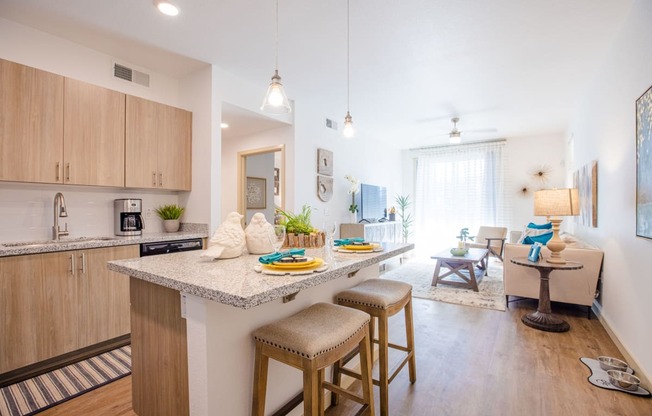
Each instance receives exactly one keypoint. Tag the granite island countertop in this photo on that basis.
(235, 282)
(80, 243)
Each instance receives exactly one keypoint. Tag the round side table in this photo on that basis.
(543, 318)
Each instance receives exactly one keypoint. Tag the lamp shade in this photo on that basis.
(557, 202)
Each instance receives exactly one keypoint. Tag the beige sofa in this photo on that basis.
(572, 286)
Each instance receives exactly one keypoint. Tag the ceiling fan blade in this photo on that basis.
(480, 131)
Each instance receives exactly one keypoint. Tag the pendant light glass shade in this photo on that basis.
(455, 137)
(276, 102)
(348, 132)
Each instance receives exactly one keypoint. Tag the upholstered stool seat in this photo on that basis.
(312, 340)
(381, 298)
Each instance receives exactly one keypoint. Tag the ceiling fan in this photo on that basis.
(455, 135)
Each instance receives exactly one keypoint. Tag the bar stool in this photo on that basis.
(310, 341)
(380, 298)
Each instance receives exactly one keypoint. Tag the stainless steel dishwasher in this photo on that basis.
(165, 247)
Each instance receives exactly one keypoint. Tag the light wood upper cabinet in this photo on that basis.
(94, 135)
(31, 124)
(158, 146)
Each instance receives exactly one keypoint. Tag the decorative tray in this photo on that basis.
(315, 265)
(357, 248)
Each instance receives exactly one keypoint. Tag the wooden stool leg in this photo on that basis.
(383, 361)
(409, 333)
(336, 379)
(365, 371)
(372, 334)
(320, 401)
(311, 388)
(261, 363)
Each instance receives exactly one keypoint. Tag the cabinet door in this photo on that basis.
(174, 149)
(143, 120)
(94, 135)
(104, 295)
(31, 124)
(38, 308)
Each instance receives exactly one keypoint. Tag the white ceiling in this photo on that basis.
(516, 66)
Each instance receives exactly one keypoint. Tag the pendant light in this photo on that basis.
(276, 102)
(348, 132)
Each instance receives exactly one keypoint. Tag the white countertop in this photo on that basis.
(65, 244)
(235, 282)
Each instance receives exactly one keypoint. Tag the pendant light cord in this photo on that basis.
(276, 38)
(348, 53)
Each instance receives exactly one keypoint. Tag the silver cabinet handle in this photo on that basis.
(58, 173)
(67, 172)
(154, 179)
(72, 264)
(160, 179)
(82, 258)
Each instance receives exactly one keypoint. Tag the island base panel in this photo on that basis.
(159, 351)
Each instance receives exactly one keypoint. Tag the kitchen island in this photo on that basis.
(192, 318)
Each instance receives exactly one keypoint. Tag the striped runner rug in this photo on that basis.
(39, 393)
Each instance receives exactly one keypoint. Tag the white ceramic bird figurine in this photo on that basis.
(228, 241)
(258, 234)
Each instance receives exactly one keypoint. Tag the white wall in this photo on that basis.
(367, 160)
(604, 130)
(26, 209)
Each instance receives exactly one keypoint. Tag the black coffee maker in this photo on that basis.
(128, 216)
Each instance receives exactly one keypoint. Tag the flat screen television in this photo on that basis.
(372, 202)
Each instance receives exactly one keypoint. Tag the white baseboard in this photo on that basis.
(597, 310)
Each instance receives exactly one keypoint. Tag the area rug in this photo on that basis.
(42, 392)
(419, 273)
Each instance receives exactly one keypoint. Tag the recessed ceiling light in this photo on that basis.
(224, 125)
(166, 7)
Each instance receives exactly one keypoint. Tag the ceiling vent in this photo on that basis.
(131, 75)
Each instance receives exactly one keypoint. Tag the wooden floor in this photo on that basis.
(470, 361)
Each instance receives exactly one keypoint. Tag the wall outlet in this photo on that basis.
(148, 213)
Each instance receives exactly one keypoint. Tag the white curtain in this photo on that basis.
(457, 187)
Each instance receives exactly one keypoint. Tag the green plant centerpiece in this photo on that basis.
(170, 215)
(461, 248)
(299, 230)
(403, 203)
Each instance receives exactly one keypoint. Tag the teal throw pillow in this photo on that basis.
(541, 238)
(546, 226)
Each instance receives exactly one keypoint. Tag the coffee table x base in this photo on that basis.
(461, 268)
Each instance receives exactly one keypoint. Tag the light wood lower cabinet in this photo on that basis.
(55, 303)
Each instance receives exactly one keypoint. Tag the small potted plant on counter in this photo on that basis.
(170, 215)
(299, 230)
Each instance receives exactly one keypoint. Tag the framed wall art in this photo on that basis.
(256, 193)
(585, 179)
(324, 188)
(644, 165)
(324, 162)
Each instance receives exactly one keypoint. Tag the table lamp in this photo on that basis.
(554, 203)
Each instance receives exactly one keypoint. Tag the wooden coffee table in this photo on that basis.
(462, 270)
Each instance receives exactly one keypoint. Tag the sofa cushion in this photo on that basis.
(534, 232)
(541, 238)
(546, 226)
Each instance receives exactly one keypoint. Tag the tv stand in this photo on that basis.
(383, 232)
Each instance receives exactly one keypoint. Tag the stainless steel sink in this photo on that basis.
(61, 241)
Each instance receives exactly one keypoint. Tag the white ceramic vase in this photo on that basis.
(354, 218)
(171, 226)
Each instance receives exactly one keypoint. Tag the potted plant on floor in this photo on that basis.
(170, 215)
(403, 203)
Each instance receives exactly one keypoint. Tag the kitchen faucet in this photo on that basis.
(59, 211)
